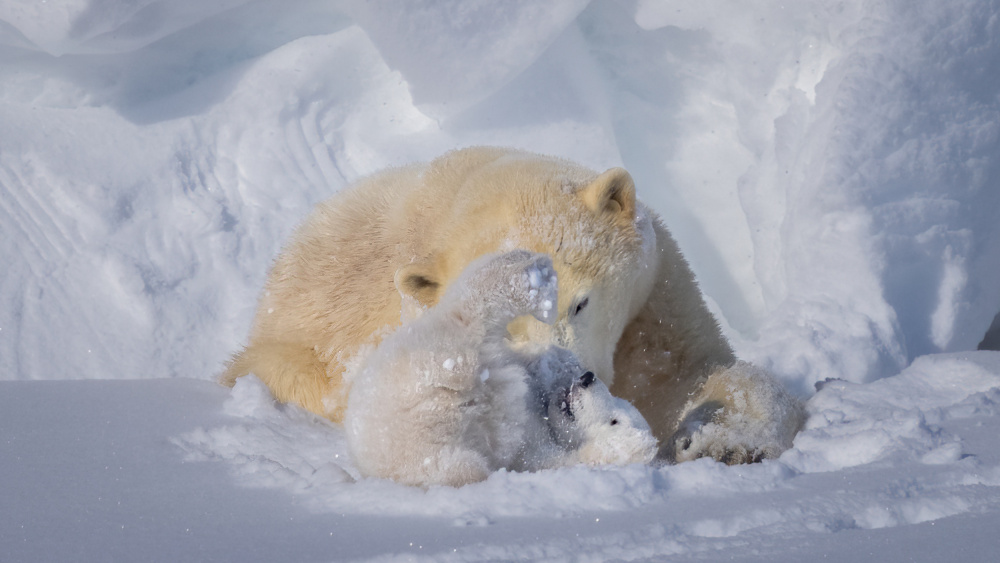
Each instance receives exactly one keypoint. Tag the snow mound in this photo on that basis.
(851, 424)
(828, 170)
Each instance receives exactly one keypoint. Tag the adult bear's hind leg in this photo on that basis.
(293, 373)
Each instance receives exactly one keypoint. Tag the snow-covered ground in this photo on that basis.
(902, 469)
(831, 170)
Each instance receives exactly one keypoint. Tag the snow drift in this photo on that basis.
(830, 172)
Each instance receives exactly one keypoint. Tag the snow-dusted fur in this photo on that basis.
(741, 415)
(445, 400)
(628, 309)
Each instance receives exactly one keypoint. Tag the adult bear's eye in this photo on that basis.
(580, 306)
(614, 421)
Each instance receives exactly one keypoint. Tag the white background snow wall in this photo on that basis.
(830, 172)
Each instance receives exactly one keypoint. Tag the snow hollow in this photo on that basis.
(831, 171)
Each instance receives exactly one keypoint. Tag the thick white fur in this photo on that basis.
(445, 400)
(629, 308)
(741, 415)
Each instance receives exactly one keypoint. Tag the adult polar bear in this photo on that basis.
(628, 308)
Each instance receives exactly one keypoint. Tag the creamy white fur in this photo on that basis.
(445, 400)
(629, 308)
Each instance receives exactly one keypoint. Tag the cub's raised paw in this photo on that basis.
(525, 280)
(541, 288)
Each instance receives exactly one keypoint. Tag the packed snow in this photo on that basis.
(903, 469)
(830, 170)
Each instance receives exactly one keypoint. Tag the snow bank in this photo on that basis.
(851, 424)
(830, 171)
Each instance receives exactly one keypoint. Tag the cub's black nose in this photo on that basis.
(586, 379)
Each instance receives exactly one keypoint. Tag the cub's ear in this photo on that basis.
(420, 281)
(611, 193)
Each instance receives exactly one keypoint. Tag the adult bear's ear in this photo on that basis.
(420, 281)
(611, 193)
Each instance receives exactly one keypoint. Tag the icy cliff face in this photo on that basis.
(830, 172)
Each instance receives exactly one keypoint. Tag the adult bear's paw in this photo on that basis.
(742, 415)
(707, 432)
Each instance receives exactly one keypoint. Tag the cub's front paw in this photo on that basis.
(527, 281)
(542, 288)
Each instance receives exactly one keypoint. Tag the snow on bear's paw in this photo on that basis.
(518, 283)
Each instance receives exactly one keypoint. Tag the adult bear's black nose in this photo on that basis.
(586, 379)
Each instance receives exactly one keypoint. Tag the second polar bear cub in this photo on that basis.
(445, 400)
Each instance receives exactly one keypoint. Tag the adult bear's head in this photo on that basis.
(601, 240)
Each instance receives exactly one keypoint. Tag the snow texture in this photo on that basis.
(905, 468)
(830, 170)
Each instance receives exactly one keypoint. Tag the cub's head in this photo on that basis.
(609, 430)
(600, 240)
(584, 417)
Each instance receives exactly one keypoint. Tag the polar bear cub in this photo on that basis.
(445, 400)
